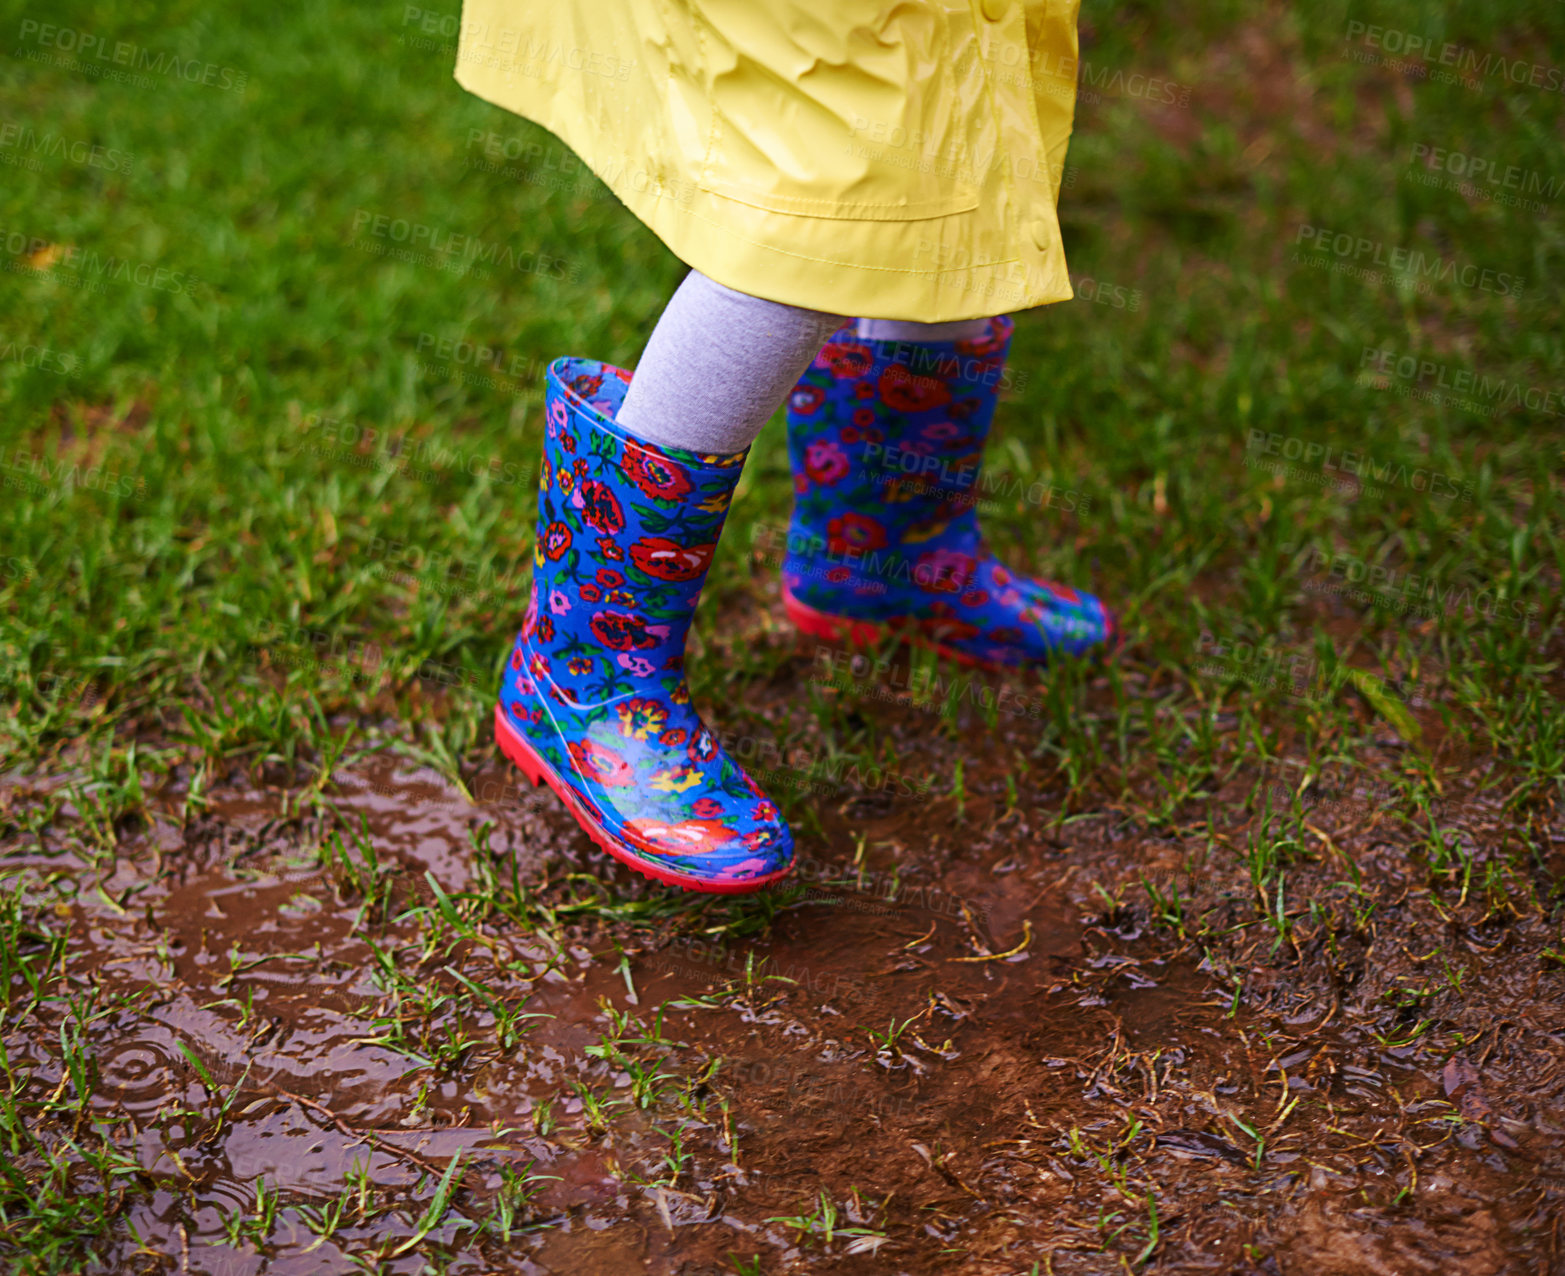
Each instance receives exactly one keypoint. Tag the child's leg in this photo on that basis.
(717, 365)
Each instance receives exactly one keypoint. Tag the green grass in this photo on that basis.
(221, 586)
(257, 517)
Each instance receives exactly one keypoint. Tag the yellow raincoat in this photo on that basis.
(863, 157)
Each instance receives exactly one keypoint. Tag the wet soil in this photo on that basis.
(973, 1036)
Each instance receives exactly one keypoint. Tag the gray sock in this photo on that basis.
(902, 330)
(717, 365)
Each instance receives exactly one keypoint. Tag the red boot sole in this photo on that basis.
(871, 633)
(536, 769)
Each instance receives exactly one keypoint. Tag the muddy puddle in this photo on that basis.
(393, 1029)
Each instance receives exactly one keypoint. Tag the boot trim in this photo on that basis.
(596, 391)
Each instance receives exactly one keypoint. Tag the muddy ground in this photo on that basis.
(974, 1036)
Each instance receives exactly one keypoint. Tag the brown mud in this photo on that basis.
(974, 1037)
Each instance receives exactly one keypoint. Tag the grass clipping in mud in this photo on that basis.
(1241, 954)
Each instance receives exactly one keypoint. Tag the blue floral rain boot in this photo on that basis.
(595, 703)
(886, 440)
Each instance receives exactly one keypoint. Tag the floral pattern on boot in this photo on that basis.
(886, 440)
(596, 687)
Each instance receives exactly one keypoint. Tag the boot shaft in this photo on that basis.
(626, 533)
(595, 702)
(886, 442)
